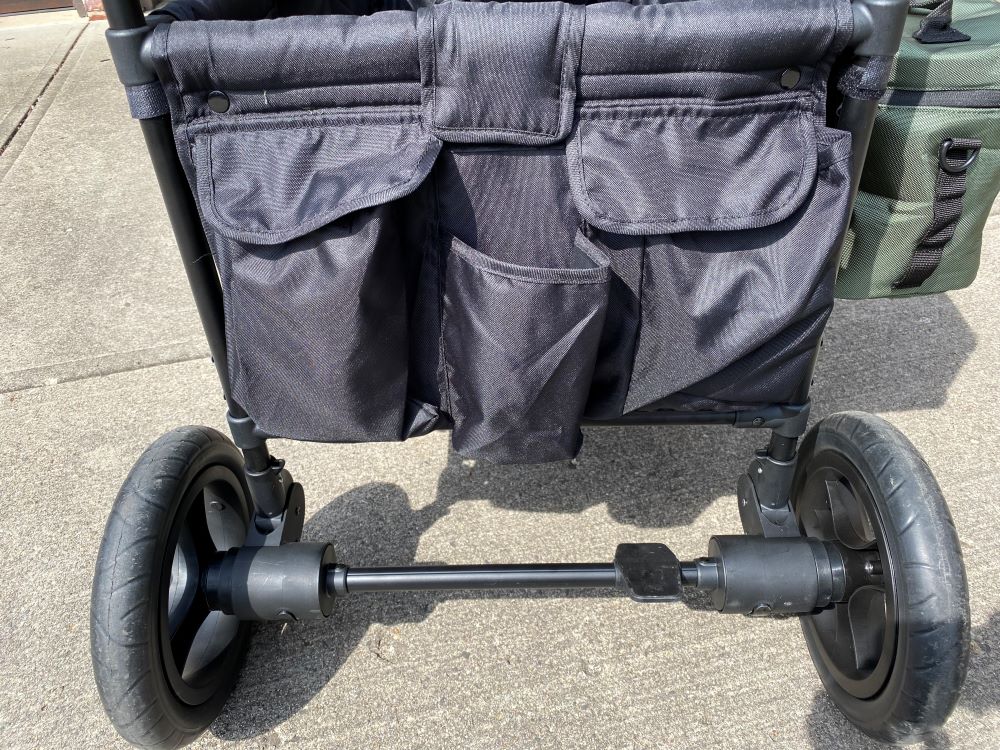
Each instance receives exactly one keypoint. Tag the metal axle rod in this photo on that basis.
(344, 580)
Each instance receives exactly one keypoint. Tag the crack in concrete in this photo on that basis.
(45, 87)
(100, 366)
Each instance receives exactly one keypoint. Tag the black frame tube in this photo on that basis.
(199, 265)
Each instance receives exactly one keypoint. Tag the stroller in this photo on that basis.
(510, 220)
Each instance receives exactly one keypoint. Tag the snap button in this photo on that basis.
(218, 102)
(790, 78)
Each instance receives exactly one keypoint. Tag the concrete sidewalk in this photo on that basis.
(103, 352)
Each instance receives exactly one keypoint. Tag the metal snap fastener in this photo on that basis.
(790, 78)
(218, 102)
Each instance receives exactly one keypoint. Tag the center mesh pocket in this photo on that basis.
(520, 347)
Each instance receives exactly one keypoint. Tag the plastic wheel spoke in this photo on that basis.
(184, 575)
(210, 641)
(197, 523)
(851, 526)
(183, 639)
(223, 521)
(866, 616)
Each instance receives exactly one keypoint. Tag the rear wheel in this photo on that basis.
(894, 656)
(164, 662)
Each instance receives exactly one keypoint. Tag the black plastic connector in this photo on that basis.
(126, 52)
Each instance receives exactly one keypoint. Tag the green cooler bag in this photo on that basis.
(933, 166)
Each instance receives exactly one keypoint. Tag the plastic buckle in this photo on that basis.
(944, 157)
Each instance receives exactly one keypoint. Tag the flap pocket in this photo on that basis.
(267, 181)
(664, 167)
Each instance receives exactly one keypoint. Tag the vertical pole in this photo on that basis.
(196, 255)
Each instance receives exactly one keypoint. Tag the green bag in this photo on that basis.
(933, 166)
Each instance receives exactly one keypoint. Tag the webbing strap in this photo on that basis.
(955, 156)
(147, 100)
(936, 26)
(868, 81)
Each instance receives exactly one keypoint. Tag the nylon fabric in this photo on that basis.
(505, 217)
(501, 72)
(657, 168)
(315, 322)
(520, 344)
(867, 82)
(936, 27)
(701, 292)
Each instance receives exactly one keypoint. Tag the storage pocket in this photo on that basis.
(738, 303)
(312, 250)
(894, 210)
(739, 206)
(520, 344)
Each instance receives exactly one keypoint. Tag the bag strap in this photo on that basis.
(936, 26)
(955, 156)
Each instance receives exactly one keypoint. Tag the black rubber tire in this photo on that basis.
(125, 613)
(929, 583)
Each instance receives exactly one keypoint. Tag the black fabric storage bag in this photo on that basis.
(520, 344)
(709, 183)
(317, 330)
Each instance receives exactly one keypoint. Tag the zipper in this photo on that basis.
(981, 98)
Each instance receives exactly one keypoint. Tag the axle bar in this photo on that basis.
(747, 574)
(344, 580)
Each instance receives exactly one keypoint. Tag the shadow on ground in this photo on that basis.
(877, 358)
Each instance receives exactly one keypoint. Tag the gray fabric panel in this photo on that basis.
(713, 35)
(520, 346)
(350, 318)
(500, 72)
(692, 84)
(768, 375)
(616, 353)
(301, 52)
(640, 168)
(510, 203)
(250, 10)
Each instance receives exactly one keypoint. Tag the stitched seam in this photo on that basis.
(482, 262)
(690, 108)
(322, 87)
(321, 120)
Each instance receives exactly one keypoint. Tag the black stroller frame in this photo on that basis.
(783, 565)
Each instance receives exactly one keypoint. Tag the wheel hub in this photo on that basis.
(195, 640)
(855, 638)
